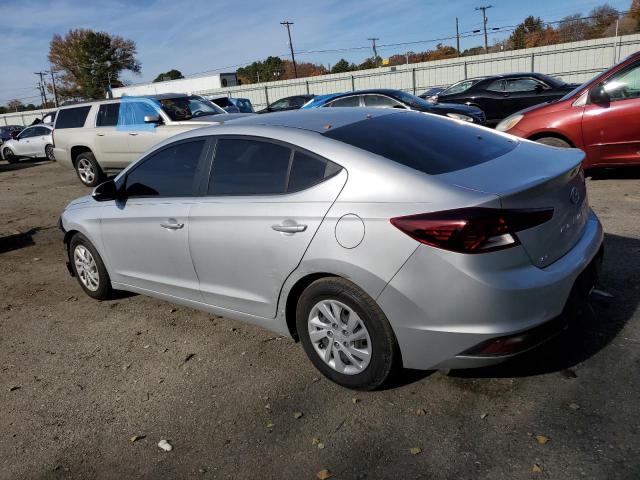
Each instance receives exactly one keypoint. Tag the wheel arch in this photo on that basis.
(294, 294)
(560, 136)
(77, 150)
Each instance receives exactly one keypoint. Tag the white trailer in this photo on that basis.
(182, 85)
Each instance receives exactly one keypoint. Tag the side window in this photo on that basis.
(249, 167)
(282, 103)
(307, 170)
(624, 85)
(41, 131)
(297, 101)
(134, 113)
(27, 133)
(523, 85)
(171, 172)
(496, 86)
(352, 101)
(379, 101)
(72, 117)
(108, 115)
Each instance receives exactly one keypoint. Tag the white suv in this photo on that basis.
(103, 137)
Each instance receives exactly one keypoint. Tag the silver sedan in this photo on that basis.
(378, 238)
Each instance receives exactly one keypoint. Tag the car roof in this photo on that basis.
(315, 120)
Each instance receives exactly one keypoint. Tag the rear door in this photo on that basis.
(263, 204)
(40, 140)
(525, 92)
(611, 132)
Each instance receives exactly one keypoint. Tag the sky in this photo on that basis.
(196, 36)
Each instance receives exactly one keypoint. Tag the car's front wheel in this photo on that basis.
(9, 156)
(345, 334)
(89, 172)
(89, 268)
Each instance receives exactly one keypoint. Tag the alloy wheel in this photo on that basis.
(86, 171)
(86, 268)
(339, 337)
(49, 152)
(9, 155)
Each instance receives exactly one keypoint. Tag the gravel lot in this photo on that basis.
(80, 378)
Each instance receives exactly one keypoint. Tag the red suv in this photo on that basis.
(601, 117)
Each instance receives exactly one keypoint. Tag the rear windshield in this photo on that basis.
(72, 117)
(427, 143)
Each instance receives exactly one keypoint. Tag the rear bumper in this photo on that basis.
(444, 307)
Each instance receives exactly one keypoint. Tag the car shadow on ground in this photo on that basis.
(18, 240)
(23, 163)
(612, 304)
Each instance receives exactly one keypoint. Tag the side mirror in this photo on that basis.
(106, 191)
(599, 95)
(152, 119)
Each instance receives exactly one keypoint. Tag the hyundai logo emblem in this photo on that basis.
(574, 195)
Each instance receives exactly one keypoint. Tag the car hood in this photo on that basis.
(209, 119)
(548, 107)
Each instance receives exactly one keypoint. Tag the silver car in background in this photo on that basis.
(379, 238)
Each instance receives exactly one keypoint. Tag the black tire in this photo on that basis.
(103, 290)
(88, 170)
(553, 142)
(48, 152)
(385, 353)
(9, 156)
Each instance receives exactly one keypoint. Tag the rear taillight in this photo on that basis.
(471, 230)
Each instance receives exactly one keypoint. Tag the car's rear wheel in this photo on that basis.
(48, 151)
(89, 268)
(89, 172)
(553, 142)
(345, 334)
(9, 156)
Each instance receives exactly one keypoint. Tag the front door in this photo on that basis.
(146, 236)
(264, 205)
(611, 131)
(26, 141)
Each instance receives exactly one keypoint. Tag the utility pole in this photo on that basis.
(457, 37)
(44, 94)
(53, 84)
(288, 24)
(375, 50)
(484, 23)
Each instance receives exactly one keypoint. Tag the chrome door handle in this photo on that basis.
(133, 134)
(100, 134)
(172, 226)
(289, 228)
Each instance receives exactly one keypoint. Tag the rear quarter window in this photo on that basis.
(72, 117)
(428, 143)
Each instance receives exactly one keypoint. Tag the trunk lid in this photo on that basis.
(534, 176)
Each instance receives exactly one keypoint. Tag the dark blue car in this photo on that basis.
(387, 98)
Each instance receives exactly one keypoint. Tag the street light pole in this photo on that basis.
(288, 24)
(484, 23)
